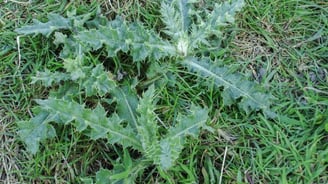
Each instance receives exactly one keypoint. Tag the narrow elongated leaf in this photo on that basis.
(98, 81)
(117, 36)
(147, 125)
(48, 78)
(235, 86)
(184, 14)
(56, 22)
(188, 125)
(35, 130)
(176, 18)
(100, 126)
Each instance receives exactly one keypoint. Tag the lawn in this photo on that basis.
(243, 100)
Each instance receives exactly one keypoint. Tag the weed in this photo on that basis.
(281, 44)
(135, 124)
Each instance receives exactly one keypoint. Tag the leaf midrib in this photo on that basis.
(227, 83)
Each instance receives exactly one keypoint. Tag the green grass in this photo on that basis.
(283, 44)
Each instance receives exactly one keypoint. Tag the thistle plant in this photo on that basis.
(133, 122)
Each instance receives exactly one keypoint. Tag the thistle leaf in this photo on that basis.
(35, 130)
(98, 81)
(188, 125)
(175, 17)
(111, 35)
(147, 125)
(170, 149)
(224, 13)
(127, 103)
(235, 86)
(184, 14)
(100, 126)
(55, 22)
(60, 38)
(75, 68)
(221, 15)
(117, 36)
(71, 48)
(48, 78)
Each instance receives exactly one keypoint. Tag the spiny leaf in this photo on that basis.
(112, 35)
(184, 13)
(117, 36)
(98, 81)
(35, 130)
(170, 149)
(127, 103)
(224, 13)
(220, 16)
(56, 22)
(68, 90)
(75, 68)
(100, 126)
(71, 48)
(235, 86)
(188, 125)
(48, 78)
(60, 38)
(175, 17)
(147, 125)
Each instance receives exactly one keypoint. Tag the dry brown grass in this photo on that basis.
(8, 151)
